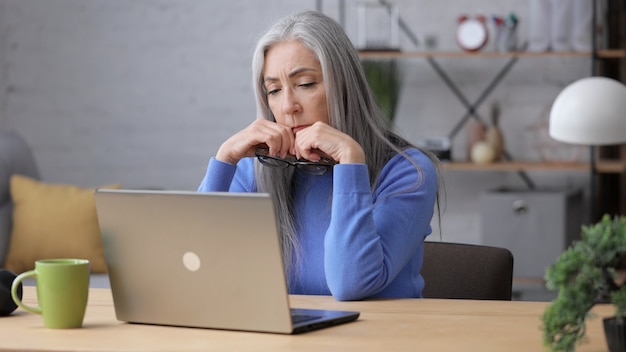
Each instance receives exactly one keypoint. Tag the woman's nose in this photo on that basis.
(291, 106)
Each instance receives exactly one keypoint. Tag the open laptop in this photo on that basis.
(208, 260)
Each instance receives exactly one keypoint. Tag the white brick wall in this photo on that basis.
(143, 92)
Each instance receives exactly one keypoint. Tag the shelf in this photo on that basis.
(612, 54)
(513, 166)
(516, 166)
(604, 54)
(610, 166)
(604, 167)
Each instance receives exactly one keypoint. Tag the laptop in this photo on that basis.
(205, 260)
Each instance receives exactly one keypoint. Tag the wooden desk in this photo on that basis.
(384, 325)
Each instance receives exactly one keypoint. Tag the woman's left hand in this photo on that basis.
(322, 140)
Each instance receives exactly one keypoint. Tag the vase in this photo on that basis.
(615, 334)
(560, 25)
(475, 133)
(539, 25)
(494, 135)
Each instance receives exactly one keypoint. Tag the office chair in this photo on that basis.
(465, 271)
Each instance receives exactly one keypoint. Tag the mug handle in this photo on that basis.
(16, 298)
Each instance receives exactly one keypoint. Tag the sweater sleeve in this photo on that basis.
(374, 235)
(226, 177)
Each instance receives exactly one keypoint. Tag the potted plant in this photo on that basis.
(585, 274)
(385, 79)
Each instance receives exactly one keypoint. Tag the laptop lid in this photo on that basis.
(208, 260)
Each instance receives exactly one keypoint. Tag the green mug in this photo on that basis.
(62, 291)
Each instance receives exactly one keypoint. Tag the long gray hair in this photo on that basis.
(351, 108)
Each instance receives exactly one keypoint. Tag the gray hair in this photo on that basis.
(350, 103)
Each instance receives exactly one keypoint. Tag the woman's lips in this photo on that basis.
(298, 128)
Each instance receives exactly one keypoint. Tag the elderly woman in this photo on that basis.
(354, 201)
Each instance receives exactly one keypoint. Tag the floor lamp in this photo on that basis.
(590, 111)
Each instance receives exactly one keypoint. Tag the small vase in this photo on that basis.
(475, 134)
(539, 25)
(494, 135)
(615, 334)
(561, 23)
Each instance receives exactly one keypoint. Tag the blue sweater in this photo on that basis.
(355, 243)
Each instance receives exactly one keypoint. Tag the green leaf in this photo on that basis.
(384, 77)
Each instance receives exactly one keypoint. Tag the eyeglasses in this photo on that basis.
(312, 168)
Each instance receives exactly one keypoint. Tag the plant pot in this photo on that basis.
(615, 334)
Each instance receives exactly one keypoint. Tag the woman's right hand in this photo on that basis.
(260, 133)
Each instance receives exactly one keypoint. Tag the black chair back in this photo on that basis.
(466, 271)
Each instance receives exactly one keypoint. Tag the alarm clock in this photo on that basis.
(472, 33)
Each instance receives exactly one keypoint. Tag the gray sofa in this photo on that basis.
(16, 157)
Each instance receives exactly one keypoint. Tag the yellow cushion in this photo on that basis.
(53, 221)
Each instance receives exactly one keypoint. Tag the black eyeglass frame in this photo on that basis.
(310, 167)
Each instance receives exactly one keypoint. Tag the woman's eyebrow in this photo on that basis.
(292, 74)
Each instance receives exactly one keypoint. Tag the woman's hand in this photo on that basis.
(320, 139)
(260, 133)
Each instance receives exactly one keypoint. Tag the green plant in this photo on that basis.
(583, 275)
(385, 79)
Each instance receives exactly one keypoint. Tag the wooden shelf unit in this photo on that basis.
(610, 163)
(507, 166)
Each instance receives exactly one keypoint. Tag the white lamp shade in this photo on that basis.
(590, 111)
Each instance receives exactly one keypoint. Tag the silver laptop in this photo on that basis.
(208, 260)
